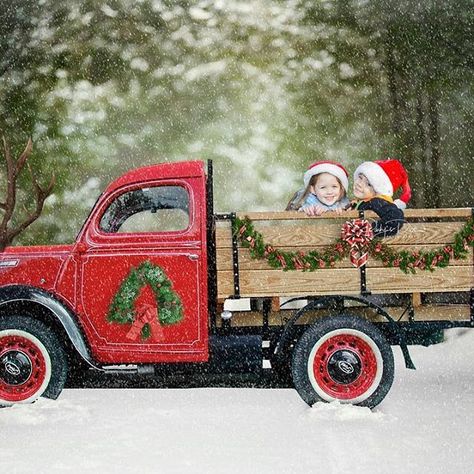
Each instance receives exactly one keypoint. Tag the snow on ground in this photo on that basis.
(425, 425)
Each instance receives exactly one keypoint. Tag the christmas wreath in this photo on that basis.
(357, 242)
(146, 320)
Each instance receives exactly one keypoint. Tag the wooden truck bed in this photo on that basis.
(425, 229)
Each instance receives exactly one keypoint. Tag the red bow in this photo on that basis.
(358, 234)
(146, 314)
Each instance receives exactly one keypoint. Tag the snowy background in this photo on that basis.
(424, 425)
(263, 88)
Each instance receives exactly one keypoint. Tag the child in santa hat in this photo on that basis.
(374, 185)
(325, 189)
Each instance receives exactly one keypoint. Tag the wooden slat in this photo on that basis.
(224, 258)
(409, 213)
(344, 281)
(291, 283)
(426, 233)
(459, 212)
(438, 213)
(422, 313)
(224, 236)
(392, 280)
(294, 215)
(321, 235)
(289, 235)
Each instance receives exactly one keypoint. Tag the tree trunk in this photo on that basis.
(436, 188)
(423, 147)
(392, 87)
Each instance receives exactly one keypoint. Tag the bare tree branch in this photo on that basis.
(13, 169)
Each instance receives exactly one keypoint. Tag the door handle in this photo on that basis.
(193, 256)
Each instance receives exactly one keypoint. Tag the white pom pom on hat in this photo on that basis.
(386, 177)
(330, 167)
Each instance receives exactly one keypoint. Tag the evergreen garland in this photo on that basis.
(406, 261)
(122, 308)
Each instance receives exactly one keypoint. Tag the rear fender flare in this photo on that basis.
(337, 303)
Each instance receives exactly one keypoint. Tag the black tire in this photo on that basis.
(282, 372)
(33, 362)
(343, 358)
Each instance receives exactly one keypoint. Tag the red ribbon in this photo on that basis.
(281, 259)
(146, 314)
(358, 234)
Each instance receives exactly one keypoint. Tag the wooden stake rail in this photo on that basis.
(461, 212)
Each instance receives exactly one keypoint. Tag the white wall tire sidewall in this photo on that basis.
(378, 356)
(47, 360)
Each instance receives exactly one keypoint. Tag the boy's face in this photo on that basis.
(362, 188)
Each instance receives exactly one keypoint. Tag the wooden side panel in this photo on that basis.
(291, 231)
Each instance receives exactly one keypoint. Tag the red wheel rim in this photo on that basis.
(344, 366)
(24, 368)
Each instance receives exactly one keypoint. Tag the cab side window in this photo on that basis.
(156, 209)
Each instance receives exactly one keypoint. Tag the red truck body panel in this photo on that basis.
(38, 266)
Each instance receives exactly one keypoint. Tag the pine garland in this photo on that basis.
(313, 260)
(408, 262)
(122, 308)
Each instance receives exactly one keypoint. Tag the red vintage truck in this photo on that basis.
(149, 281)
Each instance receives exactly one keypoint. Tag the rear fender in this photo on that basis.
(337, 304)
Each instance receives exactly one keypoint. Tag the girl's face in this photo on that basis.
(362, 188)
(327, 189)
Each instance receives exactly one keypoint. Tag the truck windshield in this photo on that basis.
(154, 209)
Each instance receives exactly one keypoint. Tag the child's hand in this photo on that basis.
(314, 210)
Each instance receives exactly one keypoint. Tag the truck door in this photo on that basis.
(143, 274)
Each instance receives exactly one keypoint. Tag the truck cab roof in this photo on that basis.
(182, 169)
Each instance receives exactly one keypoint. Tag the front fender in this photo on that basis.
(23, 294)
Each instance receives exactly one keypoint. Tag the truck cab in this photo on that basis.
(154, 215)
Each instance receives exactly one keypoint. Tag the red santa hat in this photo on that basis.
(386, 177)
(330, 167)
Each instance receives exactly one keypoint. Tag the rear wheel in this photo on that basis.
(32, 361)
(343, 358)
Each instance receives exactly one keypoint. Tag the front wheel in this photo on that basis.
(32, 361)
(343, 358)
